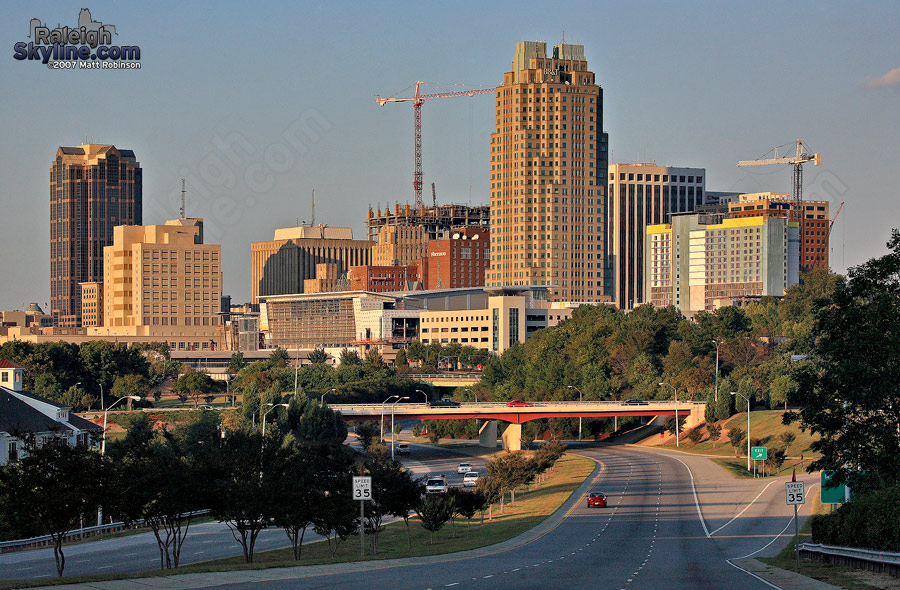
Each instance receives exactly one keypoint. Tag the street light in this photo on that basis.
(423, 393)
(106, 414)
(748, 427)
(382, 414)
(266, 412)
(393, 435)
(717, 367)
(475, 395)
(322, 399)
(580, 398)
(677, 429)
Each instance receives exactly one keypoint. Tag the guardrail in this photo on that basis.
(77, 534)
(876, 561)
(421, 376)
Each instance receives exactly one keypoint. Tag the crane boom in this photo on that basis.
(418, 100)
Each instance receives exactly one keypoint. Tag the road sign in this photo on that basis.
(362, 488)
(793, 493)
(758, 453)
(832, 494)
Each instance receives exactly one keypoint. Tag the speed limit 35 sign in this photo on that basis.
(793, 493)
(362, 488)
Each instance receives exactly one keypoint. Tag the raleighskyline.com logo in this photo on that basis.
(86, 46)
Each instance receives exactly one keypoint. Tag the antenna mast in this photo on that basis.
(313, 223)
(182, 198)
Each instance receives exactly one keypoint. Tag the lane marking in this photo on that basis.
(696, 499)
(749, 573)
(738, 515)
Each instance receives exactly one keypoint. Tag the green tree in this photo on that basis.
(126, 385)
(694, 435)
(194, 384)
(434, 513)
(318, 356)
(55, 486)
(850, 393)
(736, 436)
(236, 363)
(279, 358)
(401, 359)
(787, 437)
(715, 431)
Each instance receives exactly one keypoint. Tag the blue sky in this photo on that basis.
(257, 104)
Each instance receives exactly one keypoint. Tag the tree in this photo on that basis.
(279, 358)
(490, 491)
(783, 388)
(321, 423)
(788, 438)
(775, 459)
(511, 470)
(318, 356)
(299, 489)
(366, 431)
(337, 515)
(401, 360)
(194, 384)
(235, 363)
(131, 385)
(404, 495)
(434, 513)
(695, 435)
(393, 492)
(55, 486)
(715, 431)
(849, 393)
(736, 436)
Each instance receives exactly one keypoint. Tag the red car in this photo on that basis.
(517, 403)
(596, 499)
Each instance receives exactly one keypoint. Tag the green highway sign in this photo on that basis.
(833, 495)
(758, 453)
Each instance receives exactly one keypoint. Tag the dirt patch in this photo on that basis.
(874, 580)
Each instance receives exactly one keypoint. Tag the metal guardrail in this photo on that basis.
(489, 405)
(879, 561)
(421, 376)
(77, 534)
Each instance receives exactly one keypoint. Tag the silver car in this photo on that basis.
(470, 479)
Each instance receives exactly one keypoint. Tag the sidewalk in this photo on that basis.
(782, 578)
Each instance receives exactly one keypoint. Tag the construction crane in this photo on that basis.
(418, 99)
(831, 225)
(800, 157)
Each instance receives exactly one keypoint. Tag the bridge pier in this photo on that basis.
(487, 433)
(696, 417)
(512, 437)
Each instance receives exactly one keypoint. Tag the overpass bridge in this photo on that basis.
(449, 380)
(489, 413)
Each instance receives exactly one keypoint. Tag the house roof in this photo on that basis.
(6, 364)
(42, 399)
(17, 417)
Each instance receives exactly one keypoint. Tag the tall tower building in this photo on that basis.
(640, 195)
(548, 175)
(93, 188)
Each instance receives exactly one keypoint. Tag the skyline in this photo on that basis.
(260, 109)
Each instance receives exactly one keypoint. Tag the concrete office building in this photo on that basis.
(399, 245)
(282, 265)
(162, 282)
(640, 195)
(461, 260)
(701, 262)
(548, 175)
(93, 188)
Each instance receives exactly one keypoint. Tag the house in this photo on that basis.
(24, 415)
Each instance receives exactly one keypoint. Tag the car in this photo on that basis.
(636, 402)
(436, 484)
(444, 402)
(402, 449)
(517, 403)
(596, 499)
(470, 479)
(464, 468)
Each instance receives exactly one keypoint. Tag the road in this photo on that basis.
(206, 541)
(673, 522)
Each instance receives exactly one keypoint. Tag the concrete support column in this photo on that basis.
(697, 415)
(487, 433)
(512, 437)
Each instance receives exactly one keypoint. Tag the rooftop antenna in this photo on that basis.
(313, 223)
(182, 198)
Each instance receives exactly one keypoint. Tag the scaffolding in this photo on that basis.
(438, 220)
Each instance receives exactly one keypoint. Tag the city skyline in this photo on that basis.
(261, 113)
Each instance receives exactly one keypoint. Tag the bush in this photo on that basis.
(869, 521)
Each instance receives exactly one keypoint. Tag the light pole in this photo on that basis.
(296, 369)
(580, 398)
(382, 414)
(102, 402)
(106, 414)
(717, 368)
(423, 393)
(677, 429)
(748, 427)
(266, 412)
(393, 435)
(322, 399)
(475, 395)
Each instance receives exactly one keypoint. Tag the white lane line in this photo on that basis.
(489, 576)
(766, 582)
(738, 515)
(696, 499)
(22, 569)
(104, 567)
(517, 569)
(776, 536)
(453, 584)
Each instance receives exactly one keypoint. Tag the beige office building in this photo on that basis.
(281, 266)
(162, 282)
(400, 245)
(548, 175)
(640, 195)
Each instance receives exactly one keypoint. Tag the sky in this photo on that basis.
(257, 104)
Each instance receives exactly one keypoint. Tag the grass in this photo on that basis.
(838, 575)
(531, 508)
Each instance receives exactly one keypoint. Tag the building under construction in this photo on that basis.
(437, 220)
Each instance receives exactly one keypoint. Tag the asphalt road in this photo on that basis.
(673, 522)
(207, 541)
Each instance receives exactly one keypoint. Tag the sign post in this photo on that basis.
(794, 495)
(758, 454)
(362, 491)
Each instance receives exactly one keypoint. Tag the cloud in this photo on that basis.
(889, 80)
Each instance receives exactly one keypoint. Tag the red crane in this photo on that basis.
(418, 99)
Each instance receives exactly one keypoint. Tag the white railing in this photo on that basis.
(860, 558)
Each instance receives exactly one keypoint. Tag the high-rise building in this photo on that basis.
(281, 266)
(163, 281)
(93, 188)
(399, 245)
(640, 195)
(703, 261)
(548, 175)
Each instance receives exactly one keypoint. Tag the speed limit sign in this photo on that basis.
(362, 488)
(794, 494)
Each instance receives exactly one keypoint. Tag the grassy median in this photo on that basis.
(533, 505)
